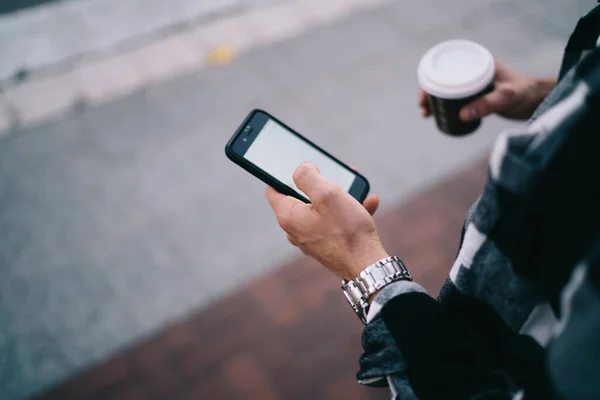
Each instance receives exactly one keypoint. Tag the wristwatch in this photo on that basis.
(370, 280)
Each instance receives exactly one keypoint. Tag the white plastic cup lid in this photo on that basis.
(456, 69)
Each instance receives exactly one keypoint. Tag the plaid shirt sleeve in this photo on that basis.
(519, 316)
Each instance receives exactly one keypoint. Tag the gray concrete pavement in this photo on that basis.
(118, 219)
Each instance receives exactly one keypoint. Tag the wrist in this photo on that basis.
(363, 260)
(542, 87)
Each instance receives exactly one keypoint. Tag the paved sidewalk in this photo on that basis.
(119, 218)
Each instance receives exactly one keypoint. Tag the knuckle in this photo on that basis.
(509, 93)
(292, 240)
(484, 107)
(286, 220)
(325, 194)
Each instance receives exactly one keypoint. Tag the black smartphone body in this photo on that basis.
(271, 151)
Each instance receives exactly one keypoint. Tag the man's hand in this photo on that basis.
(335, 229)
(515, 96)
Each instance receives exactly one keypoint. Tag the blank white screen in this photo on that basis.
(279, 152)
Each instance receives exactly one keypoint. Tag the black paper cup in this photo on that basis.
(453, 74)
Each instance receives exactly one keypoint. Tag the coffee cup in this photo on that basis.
(453, 74)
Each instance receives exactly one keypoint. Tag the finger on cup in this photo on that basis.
(482, 106)
(424, 104)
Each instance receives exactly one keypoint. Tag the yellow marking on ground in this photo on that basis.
(220, 55)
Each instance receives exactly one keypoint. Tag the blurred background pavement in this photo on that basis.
(122, 221)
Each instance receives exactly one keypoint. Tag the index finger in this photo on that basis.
(423, 103)
(283, 206)
(278, 201)
(422, 98)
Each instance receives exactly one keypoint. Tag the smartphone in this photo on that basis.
(271, 151)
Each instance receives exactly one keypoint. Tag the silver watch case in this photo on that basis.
(370, 280)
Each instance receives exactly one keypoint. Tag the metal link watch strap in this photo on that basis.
(370, 280)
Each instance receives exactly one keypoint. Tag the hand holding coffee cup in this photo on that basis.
(453, 74)
(515, 96)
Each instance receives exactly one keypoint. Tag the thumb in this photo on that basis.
(308, 179)
(483, 106)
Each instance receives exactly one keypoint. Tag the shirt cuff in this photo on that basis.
(389, 292)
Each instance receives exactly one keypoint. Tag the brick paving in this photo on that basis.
(289, 334)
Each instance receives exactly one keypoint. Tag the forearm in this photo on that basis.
(444, 358)
(422, 351)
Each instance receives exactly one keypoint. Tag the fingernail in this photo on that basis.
(468, 114)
